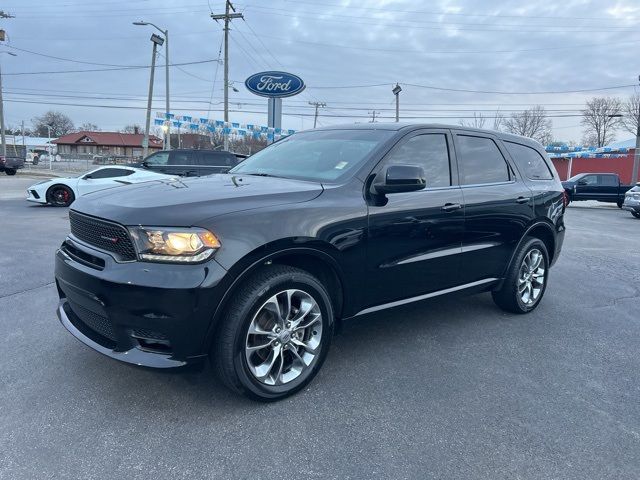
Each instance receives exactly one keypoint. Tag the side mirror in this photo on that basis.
(87, 177)
(582, 182)
(399, 178)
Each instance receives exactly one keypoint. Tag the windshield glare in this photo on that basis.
(323, 156)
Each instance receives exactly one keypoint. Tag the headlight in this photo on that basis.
(176, 245)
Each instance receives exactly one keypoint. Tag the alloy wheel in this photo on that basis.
(531, 277)
(284, 337)
(60, 196)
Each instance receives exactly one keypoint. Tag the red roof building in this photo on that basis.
(113, 144)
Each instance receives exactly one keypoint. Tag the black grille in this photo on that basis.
(94, 321)
(102, 234)
(148, 334)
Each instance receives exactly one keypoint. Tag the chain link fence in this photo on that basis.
(77, 163)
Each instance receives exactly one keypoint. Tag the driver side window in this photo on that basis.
(429, 151)
(160, 158)
(590, 180)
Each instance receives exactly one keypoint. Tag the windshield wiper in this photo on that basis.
(256, 174)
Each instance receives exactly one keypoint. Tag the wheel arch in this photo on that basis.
(59, 184)
(313, 259)
(543, 231)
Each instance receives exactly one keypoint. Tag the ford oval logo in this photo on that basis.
(274, 84)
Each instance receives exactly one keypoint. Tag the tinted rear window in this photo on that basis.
(529, 161)
(480, 161)
(218, 159)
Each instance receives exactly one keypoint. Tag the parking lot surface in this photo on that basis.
(451, 388)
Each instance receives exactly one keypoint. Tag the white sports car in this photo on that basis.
(61, 192)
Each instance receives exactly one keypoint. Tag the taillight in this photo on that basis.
(565, 198)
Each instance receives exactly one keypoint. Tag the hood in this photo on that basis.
(185, 202)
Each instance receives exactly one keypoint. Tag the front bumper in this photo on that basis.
(149, 314)
(33, 195)
(631, 205)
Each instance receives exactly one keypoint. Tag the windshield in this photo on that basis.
(575, 177)
(322, 156)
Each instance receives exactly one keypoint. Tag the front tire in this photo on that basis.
(10, 171)
(636, 214)
(60, 196)
(526, 280)
(275, 334)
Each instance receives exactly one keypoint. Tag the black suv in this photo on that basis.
(254, 268)
(190, 163)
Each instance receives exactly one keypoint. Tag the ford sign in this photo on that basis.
(274, 84)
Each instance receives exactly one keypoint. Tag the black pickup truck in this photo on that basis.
(16, 156)
(602, 187)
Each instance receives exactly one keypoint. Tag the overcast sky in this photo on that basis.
(518, 47)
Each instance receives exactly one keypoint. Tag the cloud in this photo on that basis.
(456, 44)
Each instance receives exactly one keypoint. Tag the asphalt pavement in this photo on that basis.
(451, 388)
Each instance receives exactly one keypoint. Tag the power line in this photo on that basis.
(299, 114)
(293, 100)
(319, 104)
(352, 19)
(70, 59)
(445, 13)
(215, 75)
(439, 52)
(132, 67)
(447, 89)
(518, 93)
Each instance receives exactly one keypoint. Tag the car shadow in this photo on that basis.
(358, 343)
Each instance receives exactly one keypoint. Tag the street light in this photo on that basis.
(2, 135)
(156, 40)
(167, 144)
(396, 91)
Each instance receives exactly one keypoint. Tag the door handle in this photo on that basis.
(522, 199)
(450, 207)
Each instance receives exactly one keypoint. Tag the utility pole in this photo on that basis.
(4, 139)
(396, 91)
(156, 40)
(167, 144)
(227, 17)
(373, 116)
(636, 156)
(317, 105)
(2, 135)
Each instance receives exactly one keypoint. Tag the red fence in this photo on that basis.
(623, 166)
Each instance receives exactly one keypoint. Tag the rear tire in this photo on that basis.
(526, 279)
(266, 346)
(636, 214)
(619, 203)
(10, 171)
(60, 196)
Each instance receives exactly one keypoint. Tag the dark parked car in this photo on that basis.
(15, 159)
(254, 268)
(603, 187)
(632, 201)
(190, 163)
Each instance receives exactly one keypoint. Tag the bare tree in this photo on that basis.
(630, 114)
(600, 118)
(133, 128)
(498, 121)
(532, 123)
(89, 127)
(60, 124)
(477, 121)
